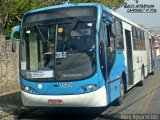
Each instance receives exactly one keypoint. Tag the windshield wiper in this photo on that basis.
(72, 27)
(68, 32)
(39, 30)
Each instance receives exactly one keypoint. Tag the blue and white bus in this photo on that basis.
(81, 55)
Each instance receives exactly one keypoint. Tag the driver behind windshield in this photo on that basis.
(48, 57)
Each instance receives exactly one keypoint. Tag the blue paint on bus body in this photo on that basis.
(62, 88)
(115, 75)
(56, 88)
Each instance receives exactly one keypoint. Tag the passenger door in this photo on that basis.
(131, 65)
(113, 70)
(129, 56)
(102, 50)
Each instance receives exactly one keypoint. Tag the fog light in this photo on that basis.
(90, 87)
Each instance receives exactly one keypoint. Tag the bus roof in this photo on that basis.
(61, 6)
(88, 4)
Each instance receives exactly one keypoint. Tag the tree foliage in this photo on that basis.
(13, 10)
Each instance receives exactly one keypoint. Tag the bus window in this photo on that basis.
(33, 51)
(119, 30)
(135, 38)
(133, 32)
(113, 29)
(119, 43)
(111, 48)
(102, 58)
(143, 41)
(111, 37)
(138, 34)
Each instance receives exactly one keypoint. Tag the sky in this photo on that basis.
(150, 20)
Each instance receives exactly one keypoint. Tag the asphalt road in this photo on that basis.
(139, 100)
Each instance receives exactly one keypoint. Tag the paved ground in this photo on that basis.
(141, 100)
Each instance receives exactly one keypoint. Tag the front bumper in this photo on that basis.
(96, 98)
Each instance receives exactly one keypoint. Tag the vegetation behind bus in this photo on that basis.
(13, 10)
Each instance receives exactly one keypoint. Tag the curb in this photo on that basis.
(9, 93)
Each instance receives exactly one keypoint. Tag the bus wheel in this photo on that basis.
(152, 73)
(122, 92)
(141, 83)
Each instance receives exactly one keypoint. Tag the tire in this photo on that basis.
(119, 100)
(152, 73)
(141, 83)
(153, 70)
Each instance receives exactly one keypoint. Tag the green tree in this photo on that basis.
(13, 10)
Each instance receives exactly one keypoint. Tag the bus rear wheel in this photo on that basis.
(141, 83)
(153, 71)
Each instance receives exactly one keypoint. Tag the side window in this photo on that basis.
(111, 36)
(115, 35)
(118, 27)
(113, 28)
(102, 56)
(142, 41)
(134, 37)
(138, 34)
(138, 39)
(119, 36)
(133, 32)
(144, 44)
(111, 52)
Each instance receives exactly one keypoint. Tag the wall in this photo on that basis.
(8, 67)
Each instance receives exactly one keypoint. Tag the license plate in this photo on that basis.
(55, 102)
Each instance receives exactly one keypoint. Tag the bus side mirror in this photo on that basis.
(13, 39)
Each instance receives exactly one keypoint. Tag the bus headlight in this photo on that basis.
(89, 88)
(27, 89)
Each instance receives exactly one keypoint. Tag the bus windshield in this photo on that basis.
(63, 51)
